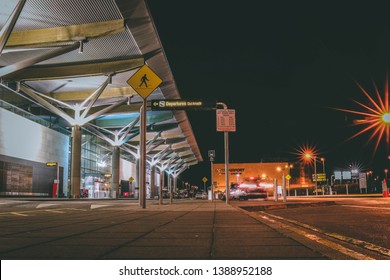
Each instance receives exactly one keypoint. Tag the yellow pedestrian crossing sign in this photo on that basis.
(288, 177)
(144, 81)
(204, 179)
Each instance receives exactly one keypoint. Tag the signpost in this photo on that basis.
(204, 179)
(288, 178)
(211, 154)
(226, 122)
(321, 177)
(144, 82)
(178, 104)
(362, 181)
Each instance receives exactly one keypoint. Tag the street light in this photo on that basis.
(288, 181)
(237, 176)
(310, 156)
(283, 182)
(306, 154)
(323, 165)
(323, 171)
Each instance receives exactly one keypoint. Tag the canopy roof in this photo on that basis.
(74, 60)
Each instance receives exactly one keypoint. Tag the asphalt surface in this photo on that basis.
(114, 229)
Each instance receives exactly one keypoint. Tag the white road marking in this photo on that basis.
(42, 205)
(354, 241)
(19, 214)
(334, 246)
(368, 207)
(95, 206)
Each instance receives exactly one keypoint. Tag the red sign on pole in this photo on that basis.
(226, 120)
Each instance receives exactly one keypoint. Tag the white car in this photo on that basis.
(236, 193)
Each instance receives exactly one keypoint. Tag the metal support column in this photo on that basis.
(170, 188)
(174, 178)
(162, 182)
(152, 181)
(75, 180)
(137, 184)
(115, 163)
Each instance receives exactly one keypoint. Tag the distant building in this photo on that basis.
(263, 172)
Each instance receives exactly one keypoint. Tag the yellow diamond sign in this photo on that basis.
(144, 81)
(204, 179)
(288, 177)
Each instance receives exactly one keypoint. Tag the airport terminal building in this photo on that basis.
(71, 123)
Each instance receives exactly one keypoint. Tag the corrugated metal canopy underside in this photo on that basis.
(118, 36)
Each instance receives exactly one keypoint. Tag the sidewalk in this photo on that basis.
(184, 230)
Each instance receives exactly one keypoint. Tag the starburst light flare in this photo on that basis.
(376, 116)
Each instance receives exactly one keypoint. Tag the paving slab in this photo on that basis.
(184, 230)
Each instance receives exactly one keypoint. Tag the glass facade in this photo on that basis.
(96, 157)
(95, 166)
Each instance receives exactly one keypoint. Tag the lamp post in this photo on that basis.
(283, 183)
(289, 166)
(323, 171)
(369, 179)
(323, 165)
(310, 156)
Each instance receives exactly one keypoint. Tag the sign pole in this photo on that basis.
(211, 154)
(144, 82)
(212, 188)
(226, 135)
(142, 179)
(226, 141)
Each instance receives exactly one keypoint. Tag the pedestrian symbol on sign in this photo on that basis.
(143, 81)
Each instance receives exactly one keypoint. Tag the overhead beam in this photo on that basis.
(49, 72)
(82, 95)
(53, 36)
(5, 32)
(122, 109)
(20, 65)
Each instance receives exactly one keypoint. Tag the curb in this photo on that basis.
(286, 205)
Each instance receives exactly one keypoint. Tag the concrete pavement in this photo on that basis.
(120, 230)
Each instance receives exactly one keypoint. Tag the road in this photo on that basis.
(360, 224)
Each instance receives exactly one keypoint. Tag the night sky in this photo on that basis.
(283, 66)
